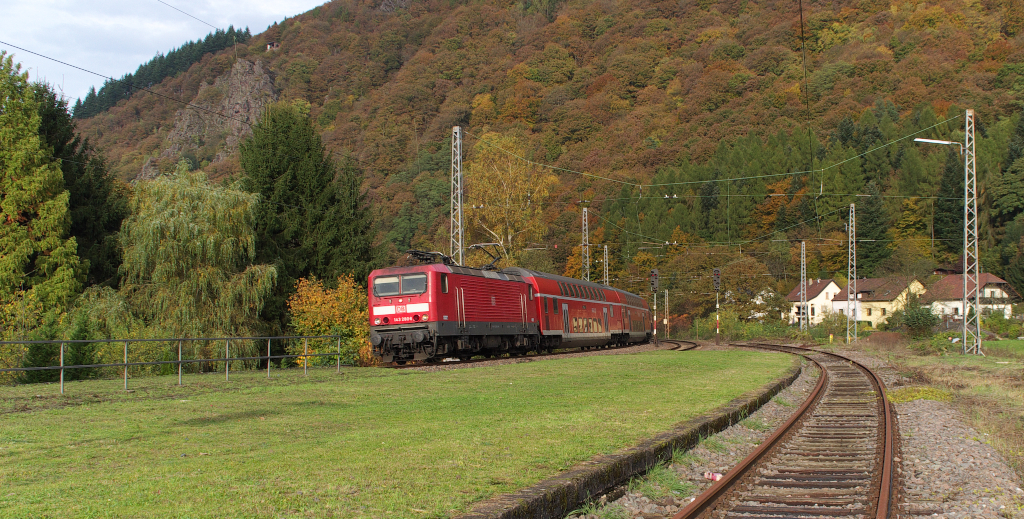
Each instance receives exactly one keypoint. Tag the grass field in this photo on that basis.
(366, 443)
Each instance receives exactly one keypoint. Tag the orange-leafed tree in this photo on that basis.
(319, 310)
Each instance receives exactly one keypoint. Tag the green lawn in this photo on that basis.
(1007, 348)
(366, 443)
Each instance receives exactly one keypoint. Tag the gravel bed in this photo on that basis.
(533, 358)
(652, 499)
(947, 469)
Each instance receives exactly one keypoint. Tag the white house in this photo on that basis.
(946, 296)
(819, 300)
(878, 298)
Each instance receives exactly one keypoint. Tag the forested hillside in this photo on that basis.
(700, 134)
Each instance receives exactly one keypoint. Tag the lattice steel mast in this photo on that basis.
(851, 276)
(456, 244)
(972, 292)
(585, 247)
(803, 287)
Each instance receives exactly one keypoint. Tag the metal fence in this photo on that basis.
(226, 359)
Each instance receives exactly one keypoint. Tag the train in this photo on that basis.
(439, 310)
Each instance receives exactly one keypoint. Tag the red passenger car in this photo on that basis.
(430, 312)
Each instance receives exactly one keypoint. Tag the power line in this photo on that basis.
(186, 14)
(131, 84)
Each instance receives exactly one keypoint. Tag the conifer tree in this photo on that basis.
(36, 253)
(873, 239)
(949, 207)
(312, 218)
(97, 201)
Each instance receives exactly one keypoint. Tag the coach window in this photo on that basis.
(576, 291)
(444, 283)
(531, 292)
(544, 300)
(414, 284)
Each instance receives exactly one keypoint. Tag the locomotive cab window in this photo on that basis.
(414, 284)
(386, 286)
(444, 283)
(554, 304)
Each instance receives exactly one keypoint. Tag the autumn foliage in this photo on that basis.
(316, 309)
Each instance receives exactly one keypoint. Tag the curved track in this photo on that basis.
(833, 458)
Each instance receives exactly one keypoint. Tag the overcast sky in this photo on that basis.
(114, 37)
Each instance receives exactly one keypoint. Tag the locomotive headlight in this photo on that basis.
(425, 316)
(376, 320)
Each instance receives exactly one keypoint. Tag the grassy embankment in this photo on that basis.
(988, 389)
(367, 443)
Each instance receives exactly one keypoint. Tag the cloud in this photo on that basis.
(114, 37)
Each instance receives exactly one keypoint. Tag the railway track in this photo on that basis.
(677, 345)
(833, 458)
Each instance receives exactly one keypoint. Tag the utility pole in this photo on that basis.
(606, 265)
(585, 248)
(667, 317)
(457, 236)
(851, 276)
(972, 292)
(803, 287)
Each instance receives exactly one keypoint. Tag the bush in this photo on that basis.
(940, 344)
(318, 310)
(999, 324)
(920, 321)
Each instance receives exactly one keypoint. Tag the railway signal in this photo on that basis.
(654, 280)
(716, 275)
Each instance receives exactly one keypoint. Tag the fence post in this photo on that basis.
(339, 354)
(179, 362)
(126, 365)
(62, 368)
(305, 358)
(268, 357)
(226, 357)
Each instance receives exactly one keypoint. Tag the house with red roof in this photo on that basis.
(878, 298)
(946, 296)
(819, 300)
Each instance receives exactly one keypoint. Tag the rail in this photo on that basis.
(709, 499)
(181, 361)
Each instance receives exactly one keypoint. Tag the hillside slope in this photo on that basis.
(616, 89)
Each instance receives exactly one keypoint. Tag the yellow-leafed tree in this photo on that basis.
(507, 193)
(342, 311)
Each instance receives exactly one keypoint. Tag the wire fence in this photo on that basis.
(182, 360)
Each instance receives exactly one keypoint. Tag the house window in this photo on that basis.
(869, 312)
(956, 311)
(990, 293)
(842, 311)
(812, 310)
(883, 312)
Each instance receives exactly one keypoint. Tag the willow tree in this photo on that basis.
(507, 193)
(188, 258)
(38, 261)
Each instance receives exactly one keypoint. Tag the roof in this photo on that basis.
(878, 289)
(814, 287)
(951, 288)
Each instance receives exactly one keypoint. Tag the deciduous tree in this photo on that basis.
(188, 266)
(510, 192)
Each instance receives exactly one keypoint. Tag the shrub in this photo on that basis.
(319, 310)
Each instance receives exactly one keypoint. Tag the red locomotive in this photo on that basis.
(440, 310)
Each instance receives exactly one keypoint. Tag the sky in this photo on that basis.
(114, 37)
